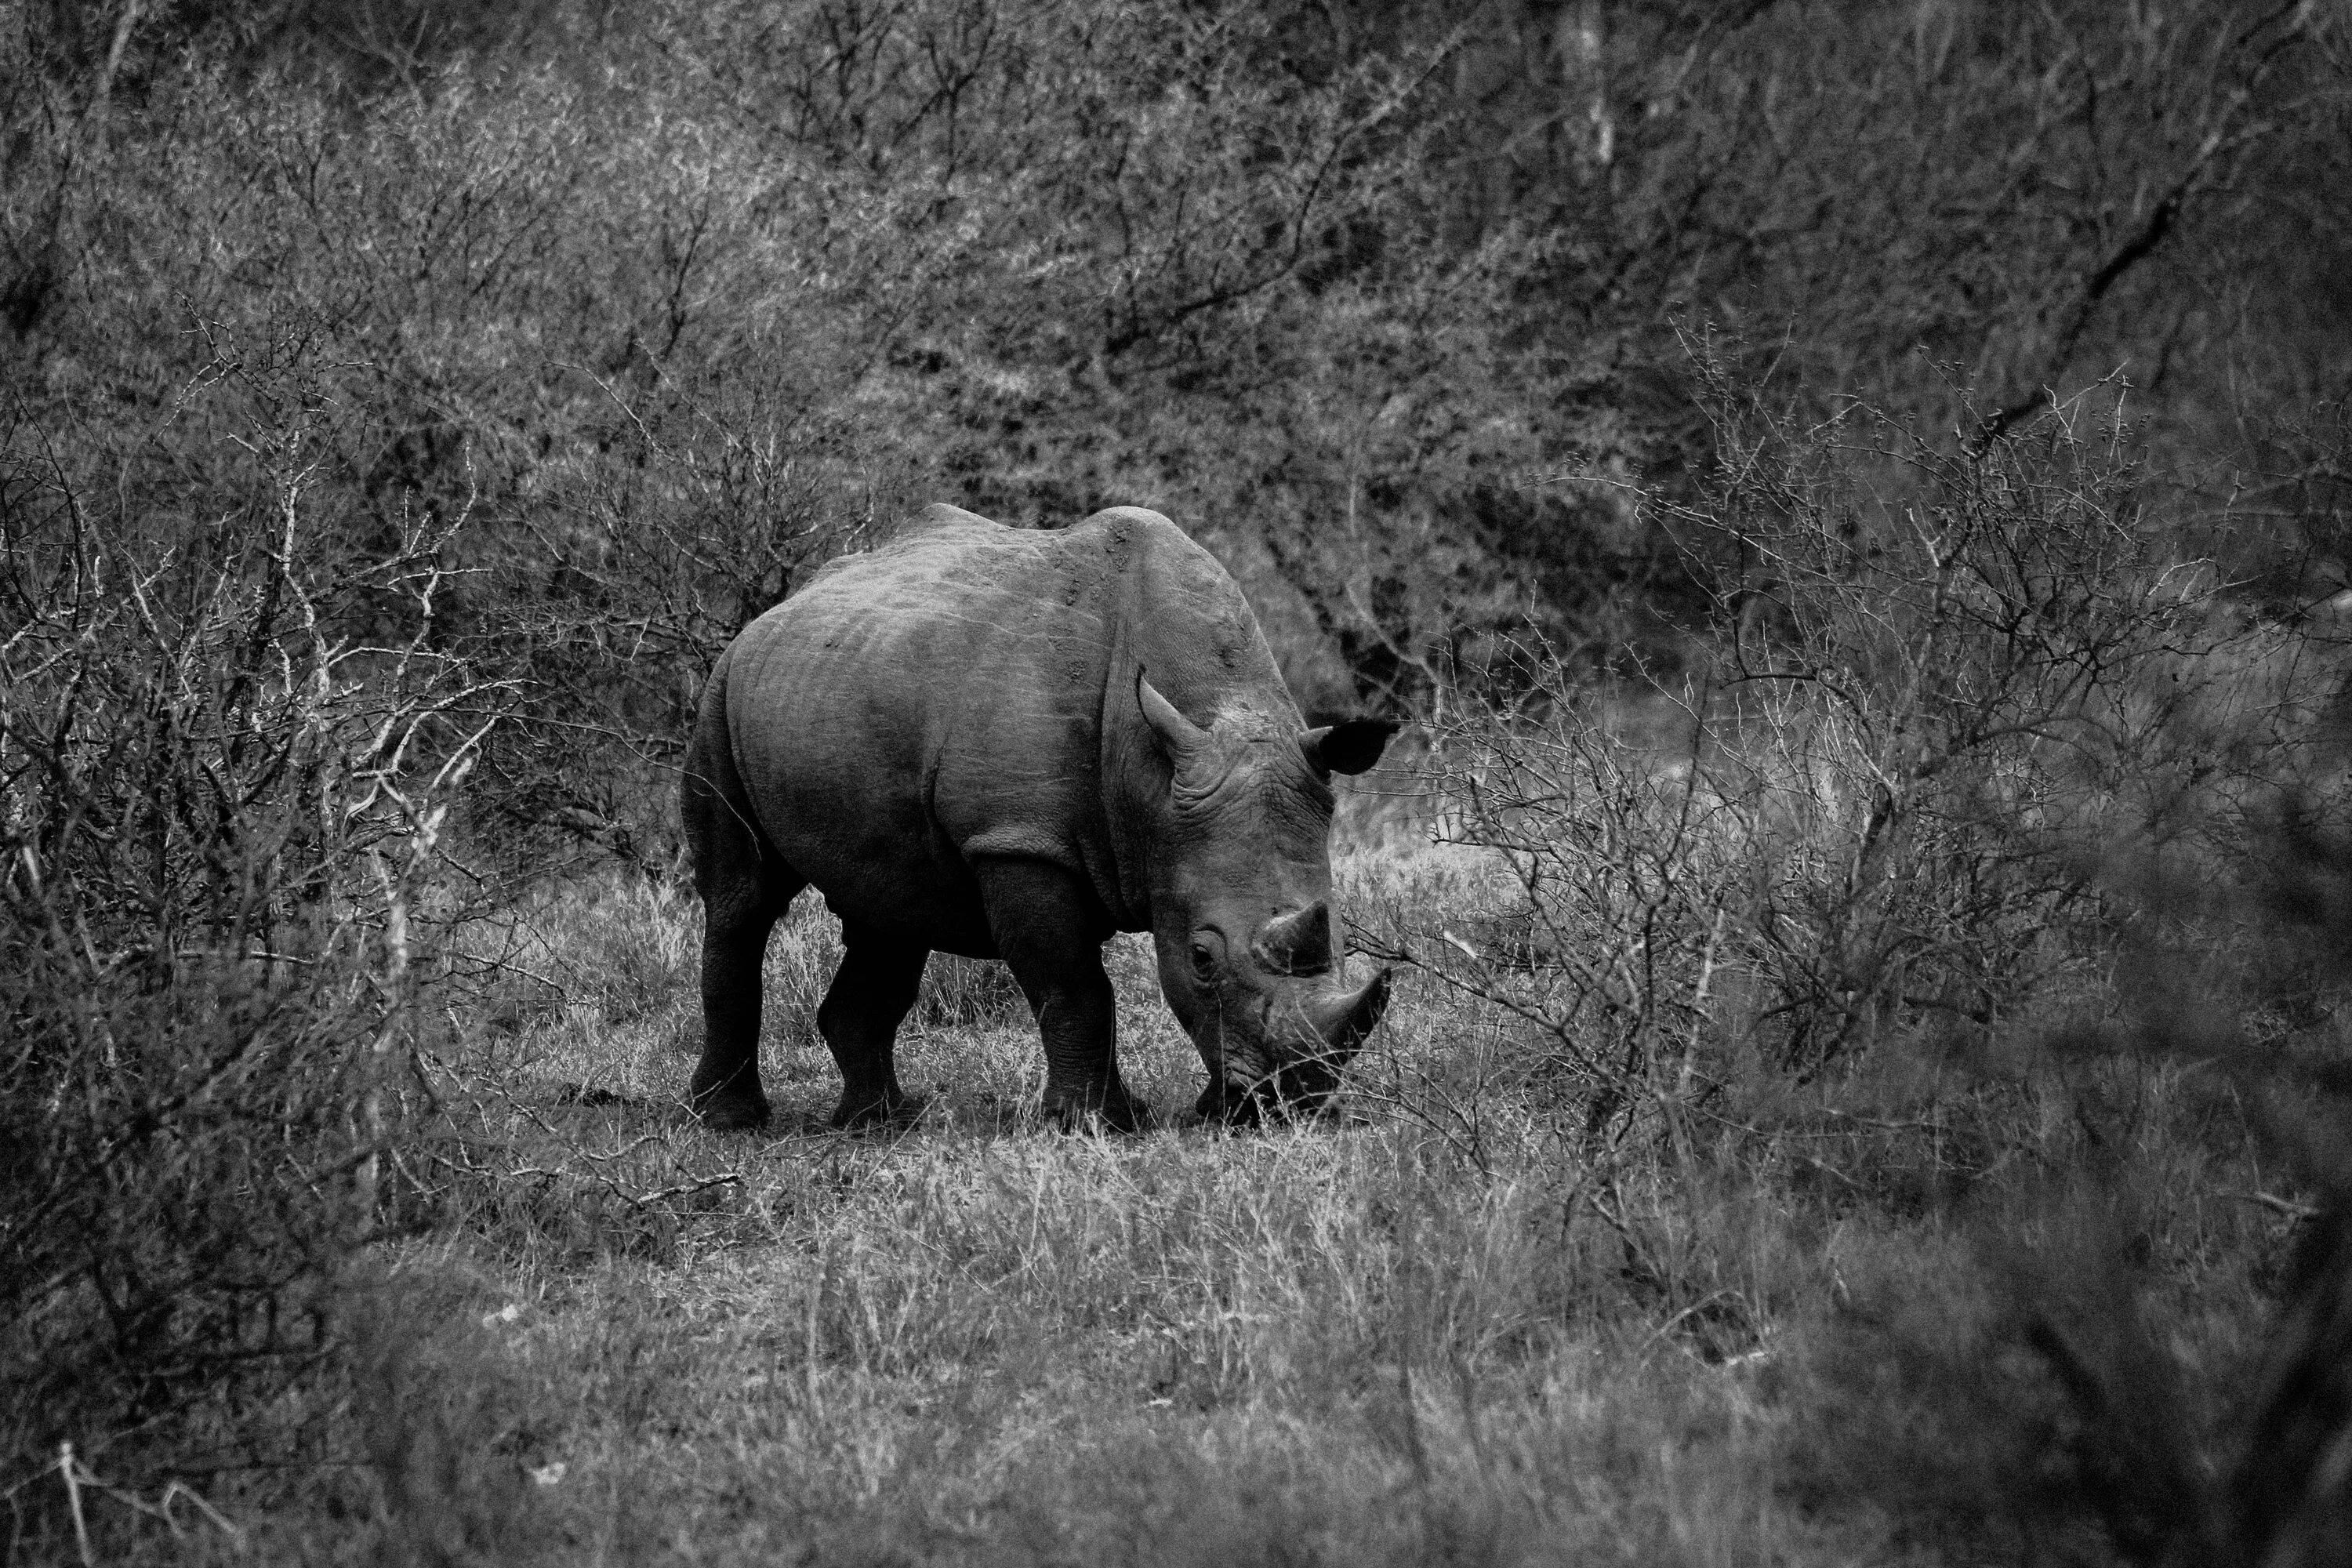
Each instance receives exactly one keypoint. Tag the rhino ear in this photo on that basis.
(1179, 736)
(1349, 748)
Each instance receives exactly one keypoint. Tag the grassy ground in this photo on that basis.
(1434, 1331)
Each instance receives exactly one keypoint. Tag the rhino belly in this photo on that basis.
(898, 896)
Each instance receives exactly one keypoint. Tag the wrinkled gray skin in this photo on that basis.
(1010, 744)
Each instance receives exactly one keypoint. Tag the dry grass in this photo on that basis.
(1436, 1330)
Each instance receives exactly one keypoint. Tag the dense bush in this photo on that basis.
(1265, 269)
(1940, 673)
(226, 755)
(1829, 730)
(1984, 798)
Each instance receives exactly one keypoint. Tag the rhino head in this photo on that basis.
(1249, 959)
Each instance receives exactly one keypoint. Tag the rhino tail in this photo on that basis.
(714, 808)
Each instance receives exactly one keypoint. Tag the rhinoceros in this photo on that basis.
(1009, 743)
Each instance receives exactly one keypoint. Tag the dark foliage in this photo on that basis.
(377, 369)
(219, 798)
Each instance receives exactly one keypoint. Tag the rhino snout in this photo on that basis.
(1295, 1069)
(1276, 1031)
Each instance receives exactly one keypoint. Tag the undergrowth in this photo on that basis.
(1878, 1095)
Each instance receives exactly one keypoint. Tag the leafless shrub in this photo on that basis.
(1938, 669)
(1955, 691)
(219, 807)
(621, 593)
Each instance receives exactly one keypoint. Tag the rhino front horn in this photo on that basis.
(1296, 944)
(1346, 1018)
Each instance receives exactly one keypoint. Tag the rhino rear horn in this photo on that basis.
(1349, 748)
(1296, 944)
(1179, 736)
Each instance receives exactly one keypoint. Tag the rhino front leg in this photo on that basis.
(859, 1019)
(1047, 928)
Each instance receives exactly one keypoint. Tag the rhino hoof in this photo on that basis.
(1120, 1115)
(1222, 1105)
(1279, 1101)
(733, 1114)
(893, 1104)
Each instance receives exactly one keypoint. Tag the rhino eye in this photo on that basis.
(1205, 962)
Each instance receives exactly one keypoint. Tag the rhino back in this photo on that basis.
(944, 697)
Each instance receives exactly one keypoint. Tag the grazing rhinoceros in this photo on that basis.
(1010, 744)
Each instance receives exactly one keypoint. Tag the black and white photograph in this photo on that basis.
(1226, 784)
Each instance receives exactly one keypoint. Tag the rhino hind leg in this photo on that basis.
(725, 1092)
(1048, 928)
(869, 998)
(745, 888)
